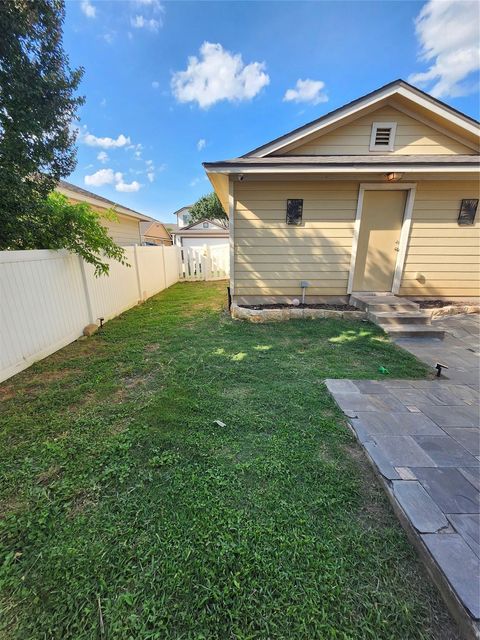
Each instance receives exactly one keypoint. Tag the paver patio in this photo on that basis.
(423, 439)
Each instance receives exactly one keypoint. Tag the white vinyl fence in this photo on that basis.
(208, 263)
(48, 297)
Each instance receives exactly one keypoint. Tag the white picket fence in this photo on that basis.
(47, 297)
(207, 263)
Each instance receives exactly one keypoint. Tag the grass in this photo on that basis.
(128, 513)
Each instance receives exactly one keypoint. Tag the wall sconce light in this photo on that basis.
(393, 177)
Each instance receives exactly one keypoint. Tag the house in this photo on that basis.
(155, 233)
(125, 230)
(202, 234)
(183, 216)
(379, 195)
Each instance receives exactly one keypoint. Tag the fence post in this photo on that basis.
(164, 268)
(208, 260)
(88, 300)
(137, 269)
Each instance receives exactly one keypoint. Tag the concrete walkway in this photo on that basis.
(423, 440)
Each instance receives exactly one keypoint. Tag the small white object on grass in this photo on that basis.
(220, 424)
(295, 302)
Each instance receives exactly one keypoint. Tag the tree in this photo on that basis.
(38, 104)
(209, 207)
(78, 228)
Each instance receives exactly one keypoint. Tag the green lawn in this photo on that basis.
(127, 513)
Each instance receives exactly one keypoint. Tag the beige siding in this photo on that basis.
(125, 231)
(412, 138)
(443, 258)
(272, 258)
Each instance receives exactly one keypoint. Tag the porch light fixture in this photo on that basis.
(393, 177)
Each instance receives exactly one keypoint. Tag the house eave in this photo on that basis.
(241, 169)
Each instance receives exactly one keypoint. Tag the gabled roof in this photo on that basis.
(194, 230)
(398, 88)
(69, 189)
(197, 222)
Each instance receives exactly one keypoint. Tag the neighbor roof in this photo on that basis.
(83, 194)
(190, 229)
(397, 87)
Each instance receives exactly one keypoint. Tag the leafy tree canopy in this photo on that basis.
(209, 207)
(78, 228)
(38, 104)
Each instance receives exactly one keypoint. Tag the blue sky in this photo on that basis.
(153, 113)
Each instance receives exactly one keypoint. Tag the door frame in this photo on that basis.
(410, 187)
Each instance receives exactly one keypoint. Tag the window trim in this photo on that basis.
(383, 125)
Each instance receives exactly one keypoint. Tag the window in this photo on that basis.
(294, 212)
(383, 136)
(205, 225)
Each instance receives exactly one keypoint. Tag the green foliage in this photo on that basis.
(123, 501)
(209, 207)
(78, 228)
(37, 107)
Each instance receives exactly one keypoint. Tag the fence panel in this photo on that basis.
(206, 263)
(47, 297)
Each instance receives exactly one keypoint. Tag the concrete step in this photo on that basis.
(394, 318)
(380, 303)
(412, 331)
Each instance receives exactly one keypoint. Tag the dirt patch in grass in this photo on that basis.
(48, 476)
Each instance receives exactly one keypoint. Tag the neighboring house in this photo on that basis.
(155, 233)
(378, 195)
(125, 230)
(202, 234)
(183, 216)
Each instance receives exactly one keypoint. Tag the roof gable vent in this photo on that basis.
(383, 136)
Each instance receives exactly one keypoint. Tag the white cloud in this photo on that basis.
(88, 9)
(201, 144)
(306, 91)
(155, 84)
(103, 157)
(108, 176)
(103, 102)
(194, 182)
(218, 75)
(125, 187)
(109, 37)
(105, 143)
(151, 176)
(100, 178)
(140, 22)
(449, 35)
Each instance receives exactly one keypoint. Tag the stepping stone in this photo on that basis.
(445, 451)
(421, 510)
(439, 395)
(382, 463)
(446, 416)
(468, 526)
(452, 492)
(340, 386)
(460, 566)
(410, 396)
(472, 475)
(370, 386)
(468, 437)
(398, 424)
(403, 451)
(360, 431)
